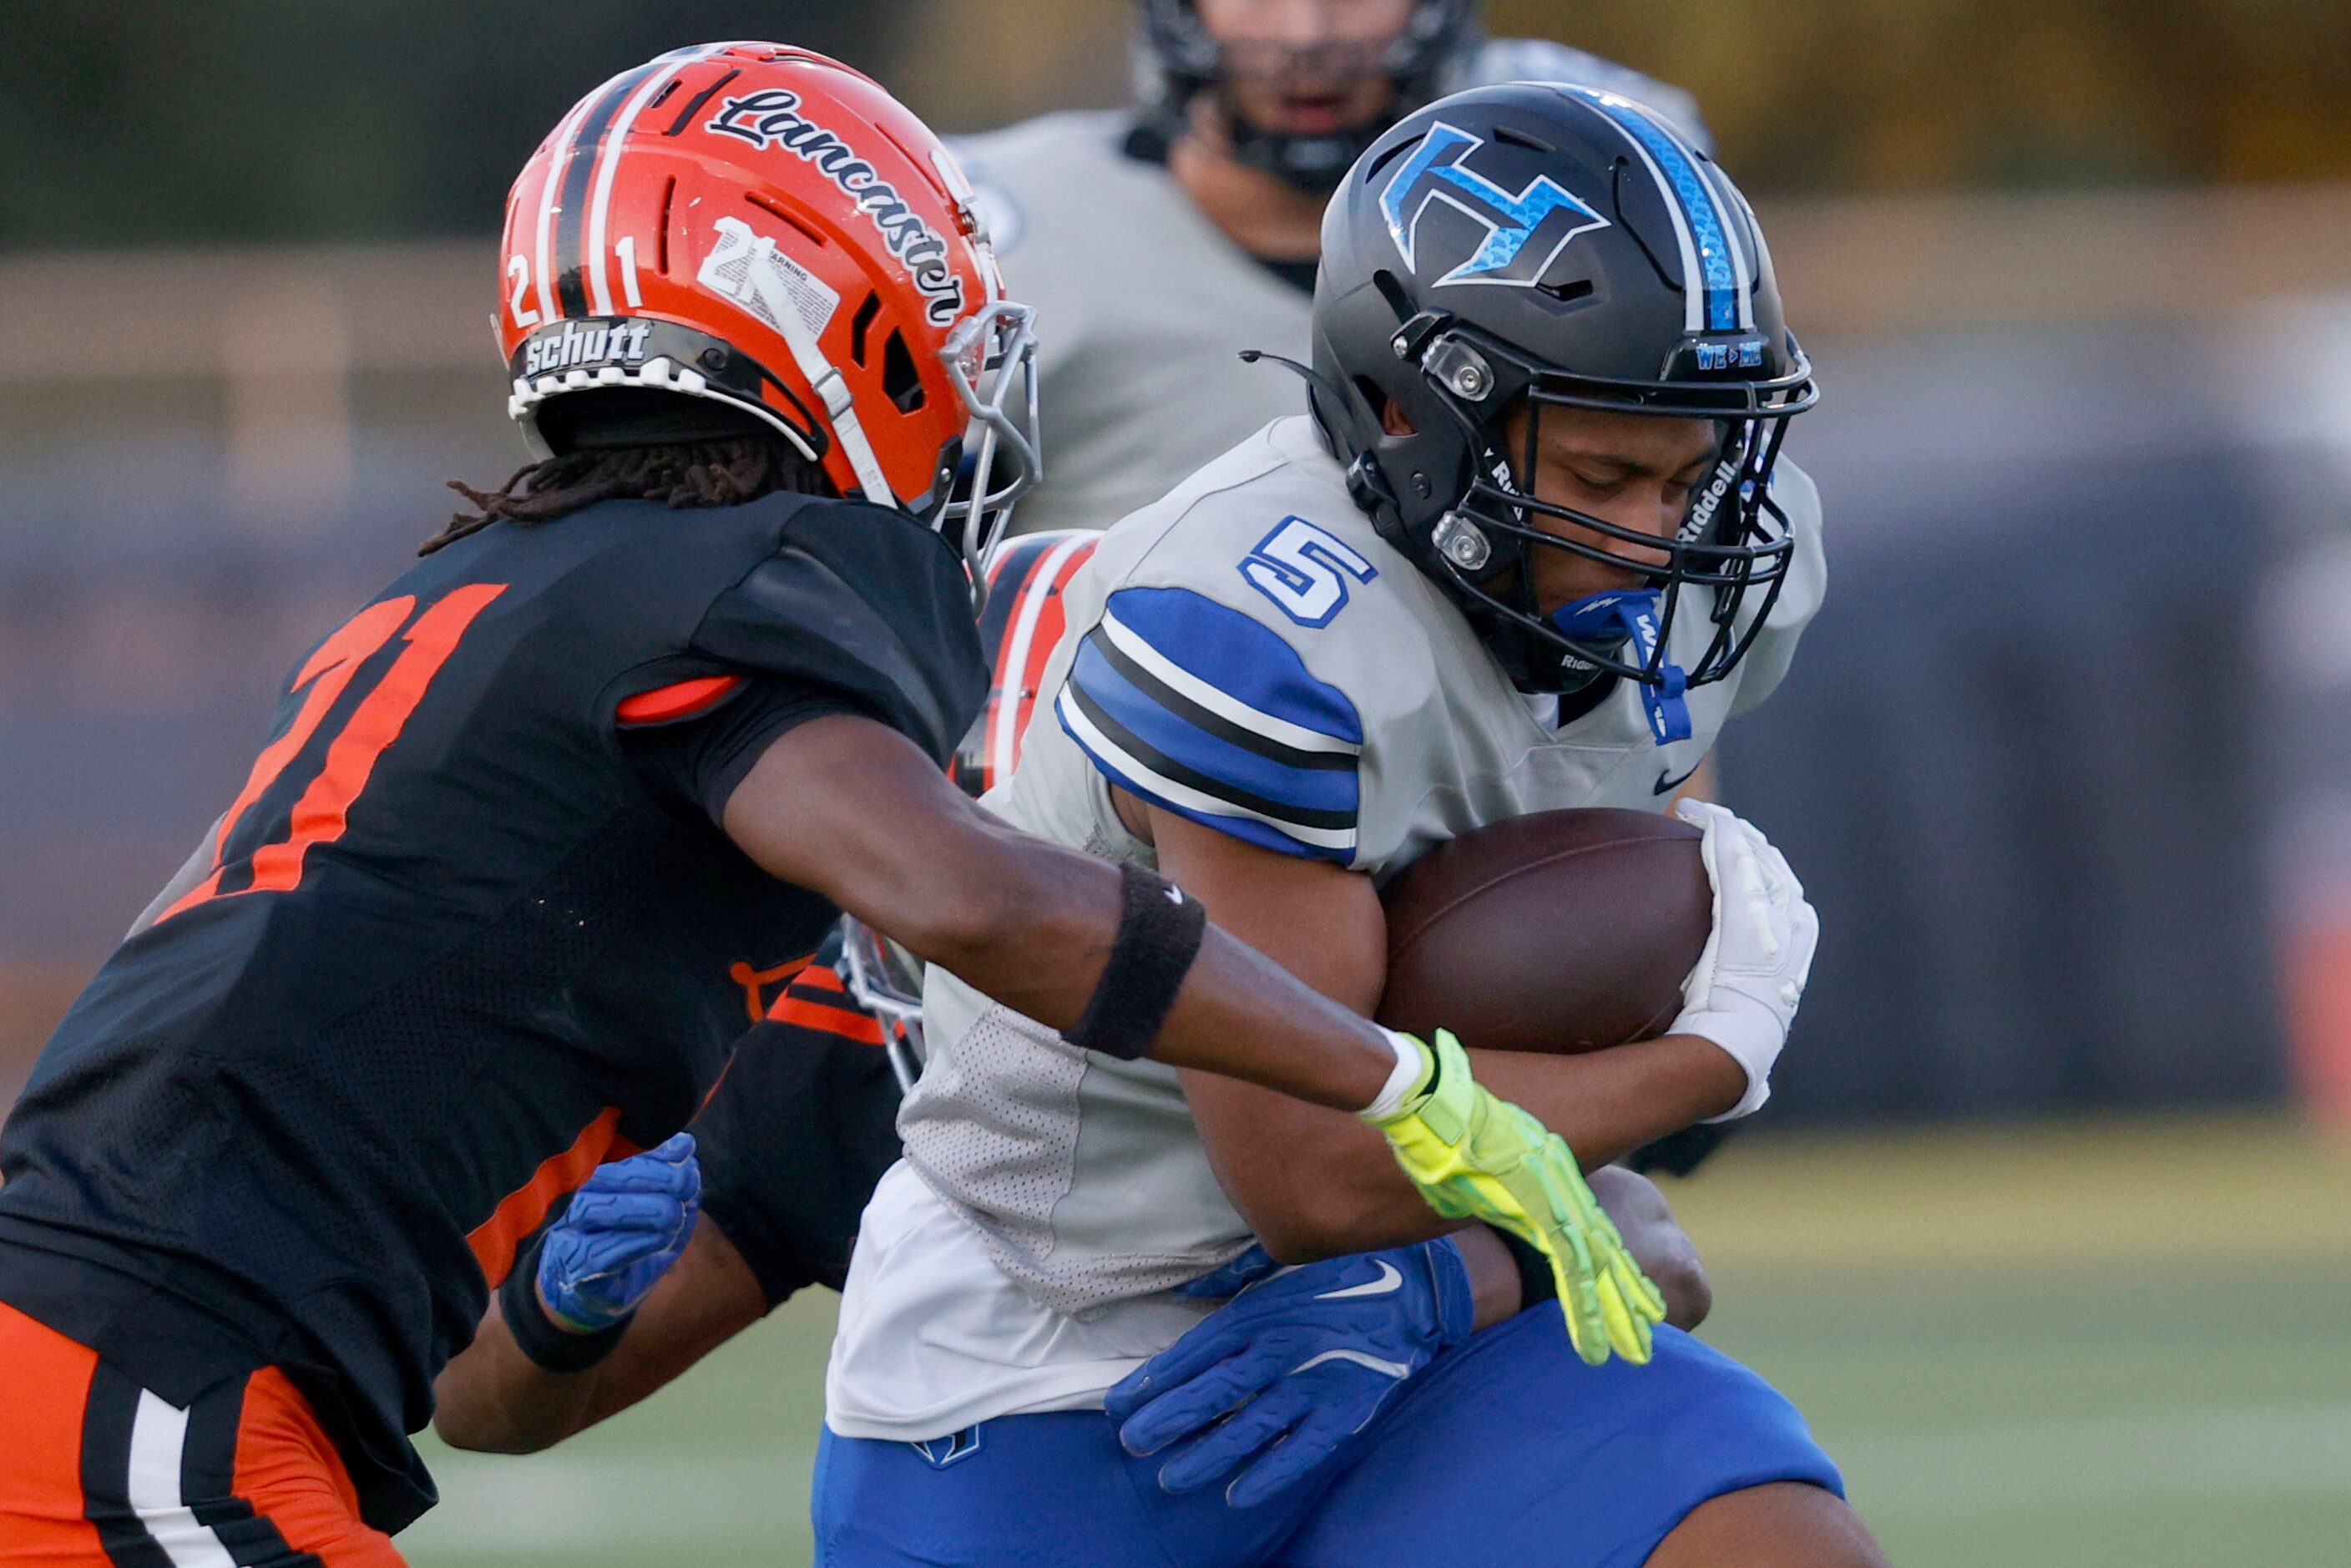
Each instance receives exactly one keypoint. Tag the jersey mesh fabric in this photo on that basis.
(791, 1144)
(1015, 1155)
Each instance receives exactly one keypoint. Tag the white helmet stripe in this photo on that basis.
(1702, 230)
(615, 145)
(568, 128)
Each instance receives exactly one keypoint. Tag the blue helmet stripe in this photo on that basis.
(1720, 265)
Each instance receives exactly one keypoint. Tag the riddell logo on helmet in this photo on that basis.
(772, 116)
(585, 343)
(1710, 501)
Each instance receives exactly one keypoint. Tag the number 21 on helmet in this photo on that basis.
(750, 232)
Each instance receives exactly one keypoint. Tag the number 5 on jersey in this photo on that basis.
(1304, 571)
(323, 812)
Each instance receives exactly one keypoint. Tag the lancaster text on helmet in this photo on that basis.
(772, 116)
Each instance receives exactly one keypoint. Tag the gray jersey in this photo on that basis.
(1144, 305)
(1249, 653)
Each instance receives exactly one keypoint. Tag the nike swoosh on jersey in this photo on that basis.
(1666, 786)
(1388, 1284)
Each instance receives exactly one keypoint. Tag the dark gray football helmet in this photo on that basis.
(1558, 248)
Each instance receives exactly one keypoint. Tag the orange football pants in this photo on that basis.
(97, 1473)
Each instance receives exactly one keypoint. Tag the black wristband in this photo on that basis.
(1159, 934)
(550, 1348)
(1537, 1284)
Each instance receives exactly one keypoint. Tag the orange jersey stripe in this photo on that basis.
(753, 981)
(665, 705)
(821, 977)
(846, 1022)
(496, 1239)
(326, 672)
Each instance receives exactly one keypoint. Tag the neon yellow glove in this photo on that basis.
(1474, 1156)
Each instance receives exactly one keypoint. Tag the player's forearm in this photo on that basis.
(1609, 1102)
(853, 811)
(1238, 1015)
(494, 1398)
(1604, 1104)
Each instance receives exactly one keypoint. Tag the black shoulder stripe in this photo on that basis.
(1168, 767)
(1216, 724)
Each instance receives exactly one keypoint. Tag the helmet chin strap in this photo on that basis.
(1630, 615)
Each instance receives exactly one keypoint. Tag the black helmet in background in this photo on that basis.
(1177, 59)
(1557, 247)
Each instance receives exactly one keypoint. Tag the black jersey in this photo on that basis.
(469, 934)
(797, 1134)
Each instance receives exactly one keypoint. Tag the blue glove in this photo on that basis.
(1297, 1363)
(626, 1226)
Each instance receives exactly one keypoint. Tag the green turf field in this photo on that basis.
(2113, 1347)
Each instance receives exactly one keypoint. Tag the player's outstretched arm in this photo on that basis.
(853, 811)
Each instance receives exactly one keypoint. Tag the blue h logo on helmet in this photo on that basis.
(1436, 172)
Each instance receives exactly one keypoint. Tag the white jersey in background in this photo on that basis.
(1142, 304)
(1246, 652)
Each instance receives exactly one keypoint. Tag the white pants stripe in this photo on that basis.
(159, 1437)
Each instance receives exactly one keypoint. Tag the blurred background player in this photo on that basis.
(472, 926)
(1160, 241)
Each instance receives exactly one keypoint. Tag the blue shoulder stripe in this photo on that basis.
(1155, 725)
(1234, 655)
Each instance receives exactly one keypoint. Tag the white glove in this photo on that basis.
(1743, 994)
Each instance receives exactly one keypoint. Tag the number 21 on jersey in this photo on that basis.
(1304, 571)
(323, 812)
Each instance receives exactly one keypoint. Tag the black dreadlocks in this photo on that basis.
(719, 473)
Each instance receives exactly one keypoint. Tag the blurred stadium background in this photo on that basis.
(2047, 1226)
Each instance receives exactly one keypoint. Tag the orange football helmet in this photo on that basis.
(763, 227)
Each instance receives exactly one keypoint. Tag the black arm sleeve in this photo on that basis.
(699, 761)
(865, 603)
(800, 1131)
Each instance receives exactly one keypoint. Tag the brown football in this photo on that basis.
(1564, 930)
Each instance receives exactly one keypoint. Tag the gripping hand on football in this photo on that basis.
(1744, 992)
(1299, 1362)
(1474, 1156)
(626, 1225)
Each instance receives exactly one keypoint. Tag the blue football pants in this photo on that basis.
(1509, 1450)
